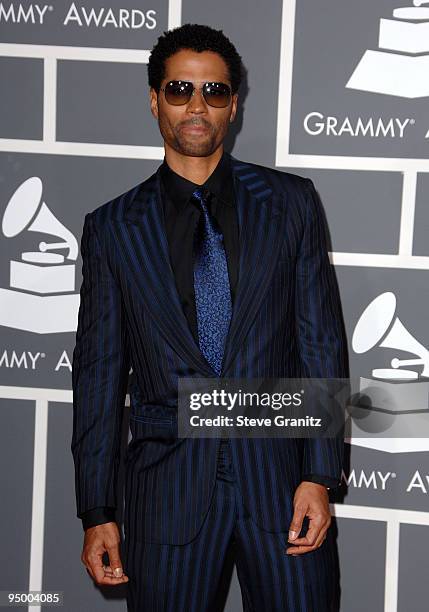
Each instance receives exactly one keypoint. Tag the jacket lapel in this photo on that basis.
(144, 248)
(261, 221)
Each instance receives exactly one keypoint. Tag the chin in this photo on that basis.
(196, 150)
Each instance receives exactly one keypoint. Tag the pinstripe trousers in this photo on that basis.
(185, 578)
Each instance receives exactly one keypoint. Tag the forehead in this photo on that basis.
(188, 65)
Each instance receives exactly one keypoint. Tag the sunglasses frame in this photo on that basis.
(201, 88)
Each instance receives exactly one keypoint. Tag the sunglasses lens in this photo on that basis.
(178, 92)
(217, 94)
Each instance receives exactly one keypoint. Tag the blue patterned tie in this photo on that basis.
(211, 285)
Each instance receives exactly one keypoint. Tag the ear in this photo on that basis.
(234, 107)
(153, 96)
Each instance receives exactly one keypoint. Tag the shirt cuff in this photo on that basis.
(327, 481)
(97, 516)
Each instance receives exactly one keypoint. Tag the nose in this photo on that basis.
(197, 104)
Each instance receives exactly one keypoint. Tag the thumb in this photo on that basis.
(296, 523)
(115, 560)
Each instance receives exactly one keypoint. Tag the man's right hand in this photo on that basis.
(98, 540)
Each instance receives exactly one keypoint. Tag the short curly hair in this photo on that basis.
(198, 38)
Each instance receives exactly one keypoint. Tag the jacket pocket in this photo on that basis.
(153, 420)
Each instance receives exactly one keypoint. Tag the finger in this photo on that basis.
(112, 581)
(107, 579)
(108, 572)
(296, 523)
(312, 533)
(97, 567)
(97, 572)
(115, 560)
(322, 536)
(301, 549)
(88, 569)
(87, 565)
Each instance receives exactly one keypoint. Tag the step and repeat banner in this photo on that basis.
(336, 91)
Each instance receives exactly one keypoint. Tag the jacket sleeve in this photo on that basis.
(329, 483)
(97, 516)
(321, 334)
(100, 366)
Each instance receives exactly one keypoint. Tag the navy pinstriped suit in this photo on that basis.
(286, 322)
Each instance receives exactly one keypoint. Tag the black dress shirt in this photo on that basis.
(181, 215)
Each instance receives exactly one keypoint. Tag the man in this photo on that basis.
(211, 267)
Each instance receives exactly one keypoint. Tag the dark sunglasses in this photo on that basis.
(180, 92)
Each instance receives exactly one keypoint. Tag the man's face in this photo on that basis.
(195, 129)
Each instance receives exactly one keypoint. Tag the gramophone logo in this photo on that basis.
(396, 397)
(41, 296)
(400, 66)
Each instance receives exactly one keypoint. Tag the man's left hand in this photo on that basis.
(311, 499)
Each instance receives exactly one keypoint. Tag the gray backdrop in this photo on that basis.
(74, 113)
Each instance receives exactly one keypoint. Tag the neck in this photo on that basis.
(195, 169)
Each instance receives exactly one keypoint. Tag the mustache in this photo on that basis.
(195, 123)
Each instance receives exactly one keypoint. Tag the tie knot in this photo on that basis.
(200, 194)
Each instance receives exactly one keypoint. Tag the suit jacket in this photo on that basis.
(286, 322)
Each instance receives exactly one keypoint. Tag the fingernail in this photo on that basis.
(292, 535)
(117, 572)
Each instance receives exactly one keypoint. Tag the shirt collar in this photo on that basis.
(219, 183)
